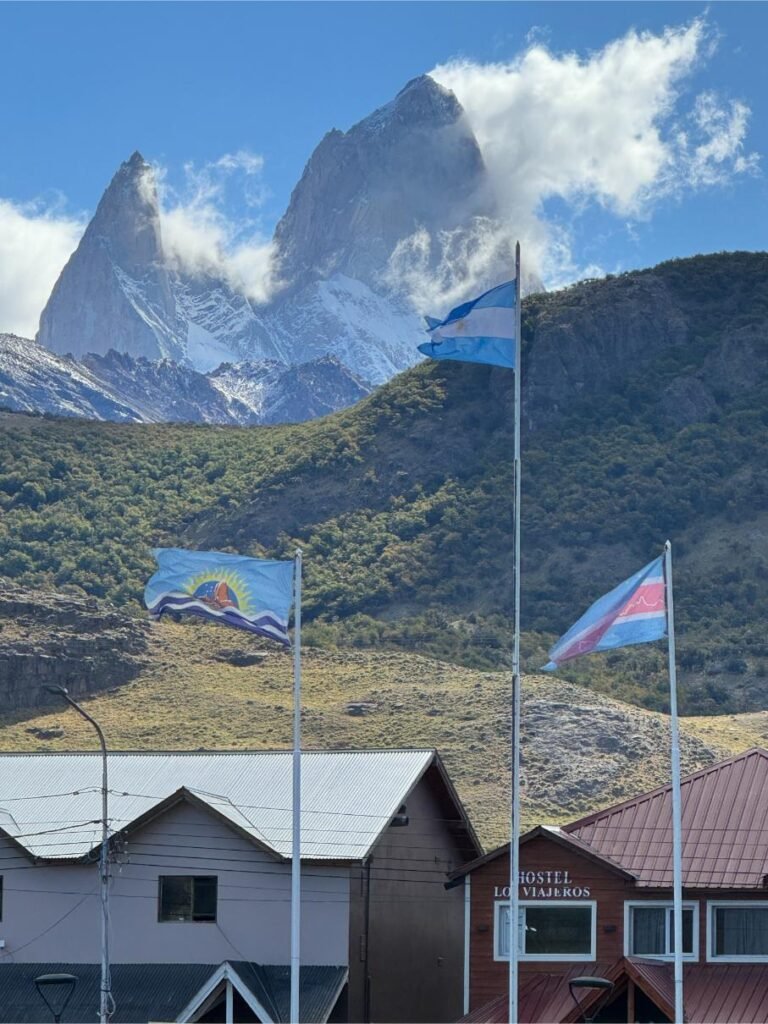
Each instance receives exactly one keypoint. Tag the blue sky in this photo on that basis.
(84, 84)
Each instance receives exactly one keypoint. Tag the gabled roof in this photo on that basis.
(714, 993)
(556, 835)
(725, 828)
(142, 991)
(545, 997)
(52, 802)
(168, 991)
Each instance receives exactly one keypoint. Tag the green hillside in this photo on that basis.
(645, 405)
(359, 699)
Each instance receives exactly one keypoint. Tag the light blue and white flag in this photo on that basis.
(247, 593)
(481, 331)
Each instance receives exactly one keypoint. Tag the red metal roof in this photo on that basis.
(725, 828)
(546, 997)
(714, 993)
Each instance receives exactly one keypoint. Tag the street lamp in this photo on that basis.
(63, 985)
(587, 982)
(106, 1002)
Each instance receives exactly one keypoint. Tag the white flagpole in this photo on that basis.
(677, 828)
(514, 844)
(296, 802)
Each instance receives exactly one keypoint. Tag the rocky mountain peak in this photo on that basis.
(412, 164)
(424, 98)
(127, 219)
(115, 291)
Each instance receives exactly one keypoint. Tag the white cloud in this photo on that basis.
(606, 128)
(200, 237)
(35, 243)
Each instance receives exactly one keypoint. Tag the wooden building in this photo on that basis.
(200, 885)
(596, 900)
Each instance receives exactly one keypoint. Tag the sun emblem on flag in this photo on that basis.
(221, 588)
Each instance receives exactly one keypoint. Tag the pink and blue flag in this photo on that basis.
(635, 612)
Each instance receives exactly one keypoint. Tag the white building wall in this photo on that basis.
(51, 913)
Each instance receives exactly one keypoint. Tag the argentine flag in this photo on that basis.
(481, 331)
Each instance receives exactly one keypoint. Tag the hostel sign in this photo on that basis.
(544, 885)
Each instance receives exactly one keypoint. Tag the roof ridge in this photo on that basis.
(216, 753)
(594, 816)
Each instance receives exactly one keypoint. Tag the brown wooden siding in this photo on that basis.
(489, 978)
(415, 933)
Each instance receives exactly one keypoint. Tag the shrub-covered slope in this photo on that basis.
(645, 409)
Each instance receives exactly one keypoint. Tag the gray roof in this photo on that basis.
(142, 992)
(145, 992)
(271, 985)
(51, 803)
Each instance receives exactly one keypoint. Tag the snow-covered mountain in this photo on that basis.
(115, 292)
(33, 379)
(409, 178)
(118, 387)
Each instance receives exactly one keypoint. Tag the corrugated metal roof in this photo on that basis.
(725, 828)
(142, 992)
(319, 989)
(714, 993)
(145, 992)
(52, 802)
(545, 997)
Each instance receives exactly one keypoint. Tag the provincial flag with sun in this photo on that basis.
(248, 593)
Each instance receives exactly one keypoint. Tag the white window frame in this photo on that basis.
(629, 906)
(712, 905)
(547, 957)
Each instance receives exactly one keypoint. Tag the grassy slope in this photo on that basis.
(402, 505)
(581, 750)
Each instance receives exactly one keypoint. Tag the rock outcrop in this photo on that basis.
(50, 639)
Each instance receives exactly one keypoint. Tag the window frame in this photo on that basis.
(693, 905)
(547, 957)
(192, 919)
(731, 958)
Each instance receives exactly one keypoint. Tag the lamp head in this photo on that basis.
(59, 690)
(60, 987)
(587, 982)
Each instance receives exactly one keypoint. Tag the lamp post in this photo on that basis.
(65, 982)
(588, 982)
(106, 1003)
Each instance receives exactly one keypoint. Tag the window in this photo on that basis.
(549, 931)
(187, 898)
(649, 929)
(1, 897)
(738, 931)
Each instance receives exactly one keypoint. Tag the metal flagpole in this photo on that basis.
(677, 828)
(296, 801)
(514, 844)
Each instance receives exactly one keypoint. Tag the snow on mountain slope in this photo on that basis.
(32, 379)
(372, 334)
(278, 394)
(222, 326)
(117, 387)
